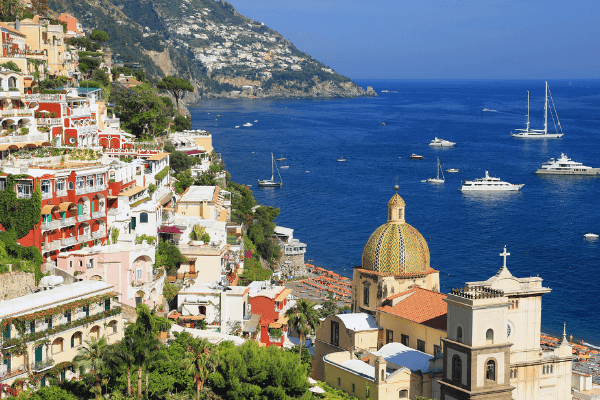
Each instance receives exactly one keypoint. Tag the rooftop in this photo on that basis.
(419, 305)
(198, 193)
(358, 322)
(403, 356)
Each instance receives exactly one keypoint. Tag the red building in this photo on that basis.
(73, 204)
(271, 304)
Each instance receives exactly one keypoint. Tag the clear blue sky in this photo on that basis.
(447, 39)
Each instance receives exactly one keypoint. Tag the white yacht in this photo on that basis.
(541, 133)
(565, 166)
(438, 142)
(489, 184)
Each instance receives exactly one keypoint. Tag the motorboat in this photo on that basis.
(414, 156)
(284, 166)
(489, 184)
(282, 158)
(438, 142)
(591, 236)
(342, 159)
(565, 166)
(248, 124)
(452, 170)
(541, 133)
(437, 179)
(272, 182)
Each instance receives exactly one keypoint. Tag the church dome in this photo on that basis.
(396, 248)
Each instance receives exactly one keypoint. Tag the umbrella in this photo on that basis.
(311, 381)
(43, 111)
(316, 389)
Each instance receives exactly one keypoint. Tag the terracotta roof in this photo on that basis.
(284, 293)
(11, 29)
(157, 156)
(419, 305)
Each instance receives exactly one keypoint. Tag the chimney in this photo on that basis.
(17, 24)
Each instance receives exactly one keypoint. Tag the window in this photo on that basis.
(459, 335)
(32, 327)
(421, 345)
(138, 300)
(400, 212)
(143, 218)
(49, 322)
(335, 333)
(490, 371)
(6, 334)
(547, 369)
(403, 394)
(106, 304)
(404, 339)
(80, 263)
(389, 336)
(138, 274)
(339, 381)
(46, 187)
(366, 295)
(60, 186)
(353, 388)
(68, 316)
(489, 336)
(86, 310)
(71, 264)
(70, 185)
(513, 373)
(90, 180)
(100, 179)
(456, 369)
(91, 263)
(24, 190)
(80, 182)
(436, 350)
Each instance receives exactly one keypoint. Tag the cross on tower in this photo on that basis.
(504, 254)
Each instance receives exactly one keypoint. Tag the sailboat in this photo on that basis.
(437, 179)
(539, 133)
(271, 182)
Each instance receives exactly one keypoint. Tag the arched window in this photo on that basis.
(143, 218)
(382, 378)
(12, 82)
(113, 327)
(459, 334)
(490, 371)
(456, 369)
(57, 345)
(70, 185)
(366, 292)
(46, 187)
(403, 394)
(489, 336)
(76, 339)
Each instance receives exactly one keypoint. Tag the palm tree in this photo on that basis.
(304, 318)
(199, 361)
(92, 358)
(153, 355)
(122, 353)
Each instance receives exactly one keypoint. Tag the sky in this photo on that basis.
(441, 39)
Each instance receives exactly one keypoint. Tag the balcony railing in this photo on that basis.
(54, 224)
(99, 214)
(83, 218)
(48, 121)
(90, 189)
(51, 245)
(68, 221)
(61, 193)
(70, 241)
(98, 234)
(83, 238)
(39, 366)
(47, 97)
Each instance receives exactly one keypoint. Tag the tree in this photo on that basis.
(184, 181)
(11, 65)
(199, 361)
(176, 87)
(303, 318)
(122, 353)
(139, 75)
(182, 123)
(52, 393)
(168, 256)
(99, 36)
(92, 358)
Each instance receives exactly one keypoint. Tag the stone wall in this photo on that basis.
(16, 284)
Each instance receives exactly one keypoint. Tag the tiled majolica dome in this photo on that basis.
(396, 248)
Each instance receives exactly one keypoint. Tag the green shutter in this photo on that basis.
(39, 354)
(79, 209)
(7, 332)
(107, 304)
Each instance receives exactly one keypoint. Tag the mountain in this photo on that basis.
(222, 53)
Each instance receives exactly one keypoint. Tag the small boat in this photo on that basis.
(489, 184)
(452, 170)
(383, 124)
(248, 124)
(237, 126)
(541, 133)
(282, 158)
(591, 236)
(414, 156)
(255, 120)
(284, 166)
(437, 179)
(438, 142)
(271, 182)
(565, 166)
(343, 159)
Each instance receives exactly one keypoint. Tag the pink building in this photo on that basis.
(126, 265)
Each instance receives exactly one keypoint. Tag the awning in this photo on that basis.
(65, 206)
(157, 157)
(174, 315)
(169, 229)
(165, 199)
(41, 143)
(4, 146)
(133, 191)
(252, 324)
(283, 295)
(279, 323)
(47, 209)
(191, 152)
(193, 317)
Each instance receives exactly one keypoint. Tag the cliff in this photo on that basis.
(222, 53)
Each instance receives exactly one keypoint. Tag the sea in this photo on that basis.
(334, 206)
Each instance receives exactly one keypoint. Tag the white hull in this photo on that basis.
(269, 183)
(565, 166)
(435, 180)
(539, 133)
(441, 143)
(533, 135)
(591, 171)
(452, 170)
(482, 188)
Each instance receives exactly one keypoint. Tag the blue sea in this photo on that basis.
(334, 206)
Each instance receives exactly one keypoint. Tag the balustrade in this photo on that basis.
(70, 241)
(98, 214)
(68, 221)
(83, 218)
(98, 234)
(84, 238)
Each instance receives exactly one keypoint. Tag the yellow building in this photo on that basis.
(395, 258)
(415, 318)
(57, 322)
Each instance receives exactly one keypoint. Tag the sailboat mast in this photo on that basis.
(546, 111)
(272, 167)
(528, 111)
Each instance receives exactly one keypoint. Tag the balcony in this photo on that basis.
(98, 234)
(48, 121)
(47, 246)
(70, 241)
(43, 365)
(48, 225)
(61, 193)
(68, 221)
(98, 214)
(12, 373)
(83, 218)
(47, 97)
(84, 238)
